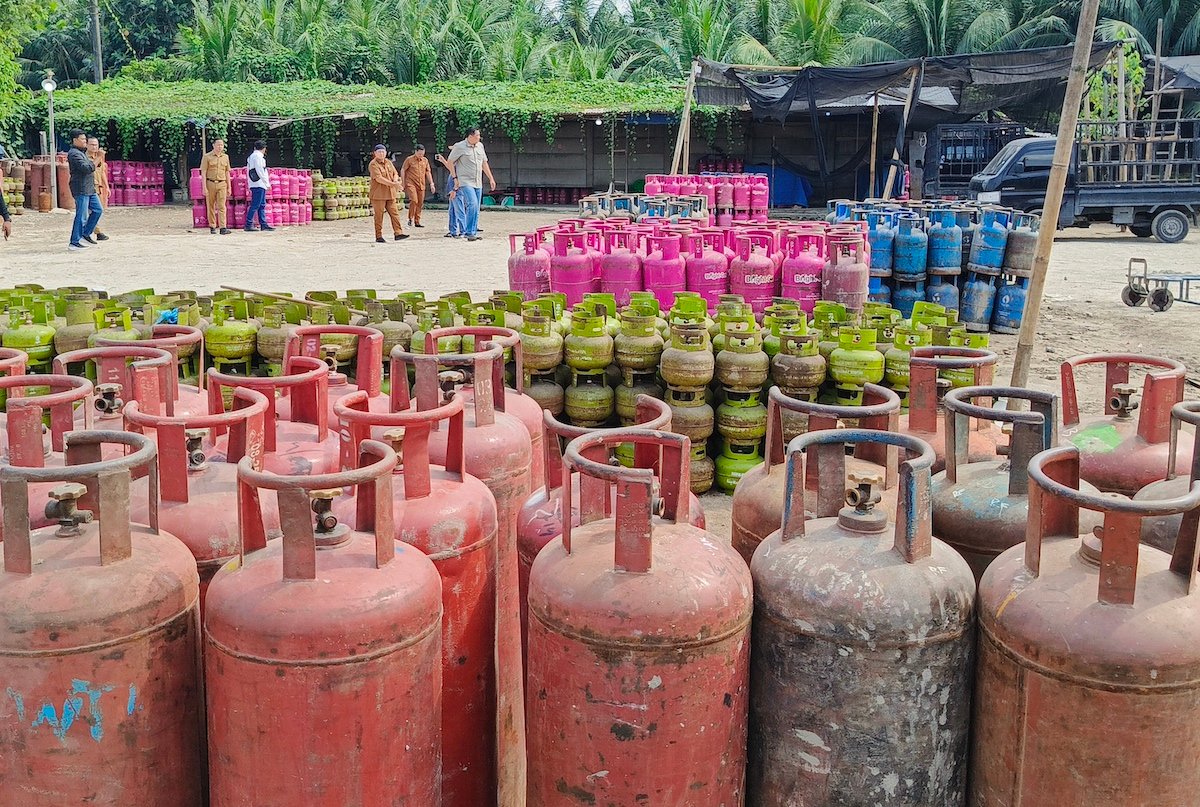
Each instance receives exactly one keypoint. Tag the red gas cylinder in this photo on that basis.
(528, 266)
(451, 517)
(301, 445)
(123, 373)
(1160, 531)
(198, 496)
(925, 390)
(368, 364)
(25, 443)
(515, 402)
(498, 453)
(863, 643)
(638, 642)
(1088, 679)
(186, 346)
(759, 498)
(1119, 453)
(12, 362)
(540, 519)
(99, 641)
(327, 627)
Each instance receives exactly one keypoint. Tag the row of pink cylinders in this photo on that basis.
(744, 192)
(805, 261)
(279, 214)
(286, 184)
(128, 196)
(125, 172)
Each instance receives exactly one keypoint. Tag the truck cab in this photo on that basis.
(1018, 175)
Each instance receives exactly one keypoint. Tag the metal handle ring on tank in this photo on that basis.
(13, 361)
(169, 338)
(925, 364)
(106, 484)
(485, 367)
(914, 523)
(880, 411)
(373, 503)
(368, 367)
(244, 423)
(1054, 504)
(143, 373)
(1184, 412)
(304, 381)
(640, 492)
(652, 413)
(356, 422)
(1032, 431)
(1160, 391)
(24, 416)
(507, 338)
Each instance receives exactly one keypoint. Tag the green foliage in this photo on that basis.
(1104, 86)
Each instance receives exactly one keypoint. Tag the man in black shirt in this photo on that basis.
(6, 217)
(83, 188)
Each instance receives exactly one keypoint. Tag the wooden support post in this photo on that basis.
(874, 142)
(908, 102)
(685, 124)
(1076, 80)
(1156, 98)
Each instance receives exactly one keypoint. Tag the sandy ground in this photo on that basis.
(156, 247)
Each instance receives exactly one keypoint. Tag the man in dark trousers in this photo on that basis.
(5, 218)
(83, 188)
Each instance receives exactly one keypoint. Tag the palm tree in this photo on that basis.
(1137, 21)
(211, 40)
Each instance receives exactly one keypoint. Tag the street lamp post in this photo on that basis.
(50, 85)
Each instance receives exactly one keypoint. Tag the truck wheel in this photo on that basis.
(1161, 299)
(1170, 226)
(1141, 230)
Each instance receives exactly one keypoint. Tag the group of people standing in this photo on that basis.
(215, 171)
(467, 164)
(89, 187)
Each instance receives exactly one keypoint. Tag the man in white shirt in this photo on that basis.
(260, 183)
(468, 164)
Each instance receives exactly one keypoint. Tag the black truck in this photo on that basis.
(1142, 174)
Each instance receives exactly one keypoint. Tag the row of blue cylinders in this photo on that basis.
(902, 243)
(985, 301)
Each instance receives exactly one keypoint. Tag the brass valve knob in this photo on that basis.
(330, 355)
(1123, 400)
(62, 508)
(109, 400)
(322, 504)
(864, 493)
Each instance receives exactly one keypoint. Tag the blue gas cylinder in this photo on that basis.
(962, 217)
(880, 237)
(978, 299)
(910, 250)
(943, 291)
(905, 295)
(878, 290)
(1010, 305)
(991, 239)
(945, 243)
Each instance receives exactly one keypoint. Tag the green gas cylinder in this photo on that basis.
(231, 339)
(26, 333)
(114, 323)
(896, 359)
(736, 458)
(855, 362)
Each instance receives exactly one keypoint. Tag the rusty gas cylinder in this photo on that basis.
(498, 454)
(323, 342)
(759, 499)
(185, 344)
(798, 368)
(300, 444)
(687, 363)
(1119, 452)
(926, 389)
(99, 640)
(638, 642)
(1088, 686)
(863, 642)
(450, 516)
(198, 495)
(1160, 531)
(123, 373)
(981, 506)
(325, 627)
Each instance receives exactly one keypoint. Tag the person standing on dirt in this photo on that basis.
(103, 189)
(5, 218)
(468, 164)
(416, 175)
(384, 184)
(453, 201)
(83, 188)
(260, 183)
(215, 170)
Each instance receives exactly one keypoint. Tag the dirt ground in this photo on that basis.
(156, 247)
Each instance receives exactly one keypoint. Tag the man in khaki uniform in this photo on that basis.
(416, 175)
(384, 183)
(214, 168)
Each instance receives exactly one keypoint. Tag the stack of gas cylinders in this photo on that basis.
(276, 581)
(136, 183)
(337, 198)
(708, 199)
(289, 199)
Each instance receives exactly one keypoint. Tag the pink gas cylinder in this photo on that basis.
(775, 246)
(621, 266)
(687, 185)
(741, 199)
(670, 184)
(847, 273)
(528, 266)
(293, 211)
(760, 198)
(274, 191)
(724, 192)
(593, 244)
(571, 268)
(293, 183)
(239, 185)
(308, 212)
(802, 269)
(302, 444)
(305, 185)
(199, 216)
(706, 268)
(663, 269)
(654, 185)
(752, 273)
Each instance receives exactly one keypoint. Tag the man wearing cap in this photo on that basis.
(214, 167)
(260, 183)
(416, 176)
(384, 183)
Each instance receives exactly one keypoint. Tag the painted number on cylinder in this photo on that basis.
(84, 702)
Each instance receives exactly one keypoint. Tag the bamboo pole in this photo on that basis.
(685, 120)
(1067, 124)
(284, 298)
(874, 143)
(908, 102)
(1156, 98)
